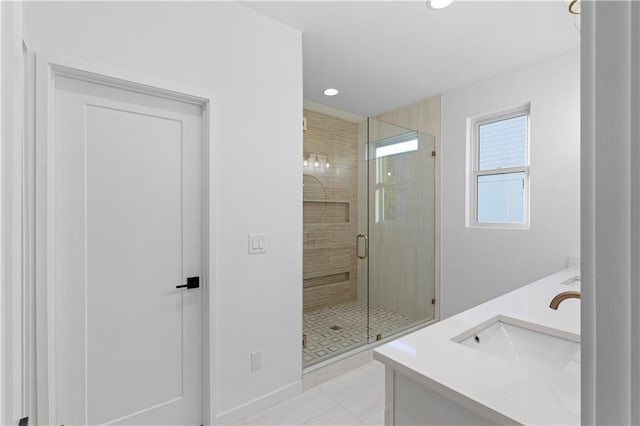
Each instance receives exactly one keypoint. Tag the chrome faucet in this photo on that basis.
(555, 302)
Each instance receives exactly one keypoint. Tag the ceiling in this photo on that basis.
(385, 54)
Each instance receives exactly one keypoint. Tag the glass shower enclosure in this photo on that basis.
(401, 229)
(368, 233)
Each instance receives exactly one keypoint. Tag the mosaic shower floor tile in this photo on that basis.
(341, 328)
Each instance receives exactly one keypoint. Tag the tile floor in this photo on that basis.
(354, 398)
(341, 328)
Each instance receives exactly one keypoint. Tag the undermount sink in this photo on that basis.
(536, 348)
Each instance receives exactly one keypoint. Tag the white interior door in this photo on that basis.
(126, 219)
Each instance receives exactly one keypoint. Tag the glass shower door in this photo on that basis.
(401, 237)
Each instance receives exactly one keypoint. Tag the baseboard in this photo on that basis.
(251, 408)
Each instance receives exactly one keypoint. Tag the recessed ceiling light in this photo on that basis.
(438, 4)
(331, 92)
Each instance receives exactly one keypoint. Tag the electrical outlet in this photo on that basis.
(256, 360)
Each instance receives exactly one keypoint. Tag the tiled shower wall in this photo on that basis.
(330, 212)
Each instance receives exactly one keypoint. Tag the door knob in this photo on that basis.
(192, 282)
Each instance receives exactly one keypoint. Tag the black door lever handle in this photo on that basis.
(192, 282)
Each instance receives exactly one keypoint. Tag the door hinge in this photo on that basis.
(378, 337)
(433, 301)
(304, 341)
(433, 153)
(304, 124)
(23, 421)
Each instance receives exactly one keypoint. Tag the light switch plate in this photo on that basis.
(256, 360)
(257, 243)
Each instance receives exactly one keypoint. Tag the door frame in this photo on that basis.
(40, 176)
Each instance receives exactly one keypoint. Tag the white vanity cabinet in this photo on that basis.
(409, 402)
(511, 360)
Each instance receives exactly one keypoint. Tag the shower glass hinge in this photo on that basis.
(433, 301)
(304, 341)
(378, 337)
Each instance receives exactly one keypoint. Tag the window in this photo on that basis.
(498, 185)
(392, 176)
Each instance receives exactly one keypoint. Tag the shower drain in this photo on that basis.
(335, 327)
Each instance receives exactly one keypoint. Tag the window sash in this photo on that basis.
(495, 119)
(475, 171)
(497, 172)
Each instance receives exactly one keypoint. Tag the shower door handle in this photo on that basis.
(366, 246)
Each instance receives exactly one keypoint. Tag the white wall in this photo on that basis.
(11, 293)
(480, 264)
(253, 67)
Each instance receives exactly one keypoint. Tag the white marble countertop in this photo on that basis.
(495, 387)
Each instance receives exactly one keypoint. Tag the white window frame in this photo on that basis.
(473, 172)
